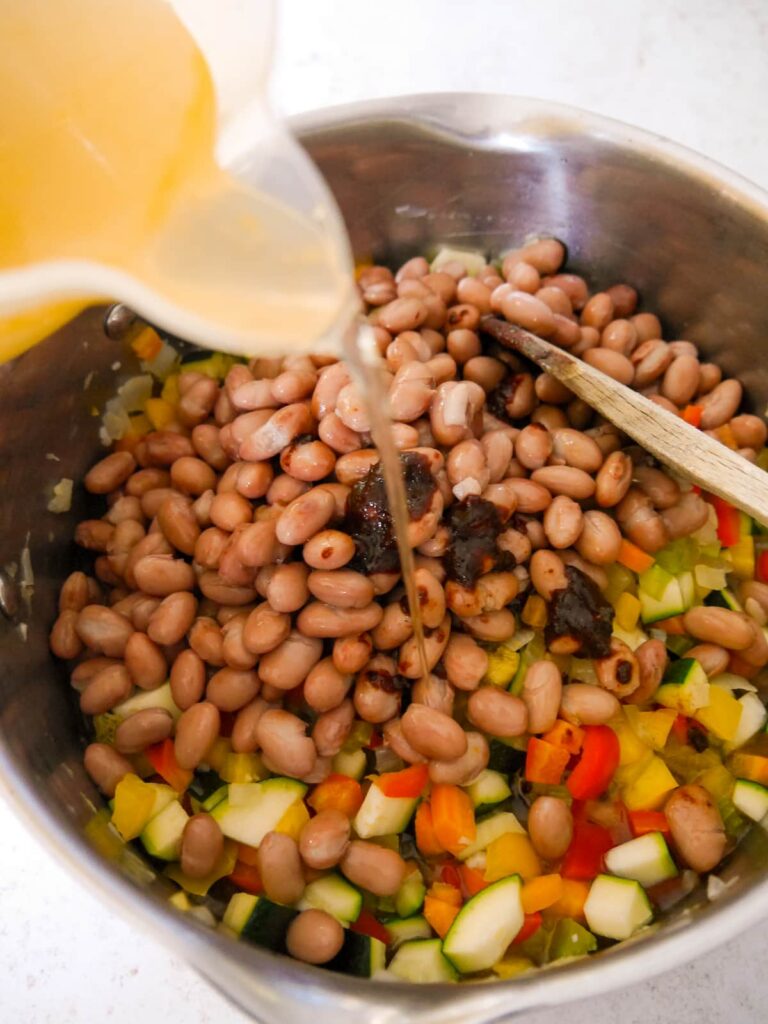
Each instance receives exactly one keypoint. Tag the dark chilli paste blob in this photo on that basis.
(474, 524)
(368, 520)
(580, 611)
(499, 400)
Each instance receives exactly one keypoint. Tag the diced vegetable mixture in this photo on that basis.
(591, 737)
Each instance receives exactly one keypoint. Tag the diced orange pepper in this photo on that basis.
(642, 822)
(426, 840)
(726, 435)
(147, 344)
(673, 625)
(563, 734)
(248, 855)
(535, 612)
(162, 757)
(571, 902)
(634, 558)
(337, 792)
(749, 766)
(453, 817)
(541, 892)
(446, 893)
(692, 414)
(410, 782)
(439, 915)
(472, 880)
(544, 762)
(247, 878)
(531, 924)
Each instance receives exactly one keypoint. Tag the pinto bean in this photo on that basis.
(187, 679)
(375, 697)
(696, 826)
(689, 514)
(109, 473)
(244, 737)
(341, 588)
(492, 627)
(287, 665)
(640, 522)
(719, 626)
(332, 728)
(619, 672)
(373, 868)
(230, 689)
(547, 573)
(433, 734)
(613, 479)
(435, 641)
(568, 480)
(749, 431)
(528, 312)
(720, 404)
(464, 769)
(651, 658)
(324, 839)
(286, 588)
(314, 937)
(497, 712)
(162, 575)
(323, 620)
(94, 534)
(106, 766)
(280, 868)
(107, 688)
(325, 686)
(103, 630)
(465, 662)
(550, 826)
(145, 662)
(712, 658)
(170, 621)
(64, 640)
(656, 485)
(283, 740)
(574, 448)
(328, 549)
(352, 652)
(265, 628)
(542, 690)
(600, 538)
(583, 704)
(202, 844)
(142, 730)
(563, 522)
(533, 446)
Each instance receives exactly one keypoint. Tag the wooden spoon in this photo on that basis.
(686, 450)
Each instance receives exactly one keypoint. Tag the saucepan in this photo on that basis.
(478, 171)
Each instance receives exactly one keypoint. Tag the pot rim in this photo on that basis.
(497, 121)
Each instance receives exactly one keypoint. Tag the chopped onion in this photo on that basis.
(61, 500)
(709, 578)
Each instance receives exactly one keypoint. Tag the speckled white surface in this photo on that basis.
(694, 71)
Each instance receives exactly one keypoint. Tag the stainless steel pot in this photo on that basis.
(473, 170)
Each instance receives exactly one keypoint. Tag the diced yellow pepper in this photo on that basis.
(217, 755)
(216, 365)
(511, 854)
(180, 900)
(647, 791)
(243, 768)
(146, 344)
(627, 611)
(159, 412)
(652, 727)
(134, 802)
(200, 886)
(742, 557)
(631, 748)
(294, 820)
(534, 612)
(572, 899)
(102, 836)
(511, 966)
(541, 892)
(722, 715)
(503, 664)
(170, 392)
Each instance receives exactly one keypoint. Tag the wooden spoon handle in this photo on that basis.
(686, 450)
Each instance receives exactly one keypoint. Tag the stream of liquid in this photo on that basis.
(107, 162)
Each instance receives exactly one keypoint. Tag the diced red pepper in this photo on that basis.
(409, 782)
(642, 822)
(162, 757)
(247, 877)
(472, 880)
(728, 521)
(761, 569)
(680, 729)
(584, 857)
(545, 762)
(531, 924)
(449, 873)
(376, 740)
(692, 414)
(367, 924)
(597, 765)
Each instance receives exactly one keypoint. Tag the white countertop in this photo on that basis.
(696, 72)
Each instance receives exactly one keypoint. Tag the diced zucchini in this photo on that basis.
(410, 896)
(687, 589)
(162, 836)
(360, 955)
(485, 926)
(491, 828)
(159, 698)
(489, 788)
(616, 907)
(646, 859)
(723, 599)
(570, 939)
(660, 595)
(422, 960)
(216, 797)
(382, 815)
(472, 260)
(204, 784)
(404, 929)
(350, 762)
(336, 896)
(685, 687)
(257, 919)
(751, 799)
(254, 808)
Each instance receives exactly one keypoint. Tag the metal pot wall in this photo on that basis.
(475, 171)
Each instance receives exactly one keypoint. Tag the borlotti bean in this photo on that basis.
(593, 630)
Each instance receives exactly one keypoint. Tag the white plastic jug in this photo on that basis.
(140, 161)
